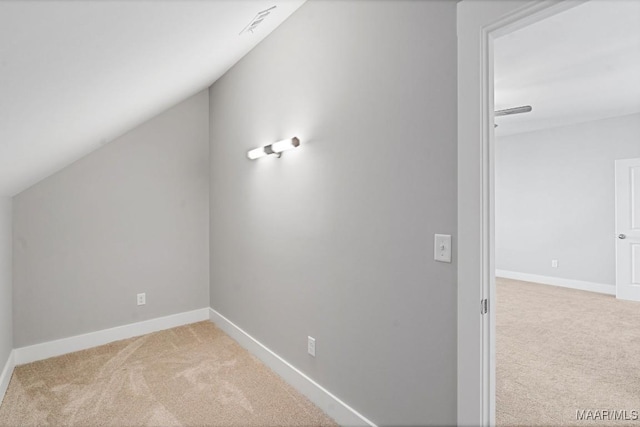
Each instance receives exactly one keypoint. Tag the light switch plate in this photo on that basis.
(442, 247)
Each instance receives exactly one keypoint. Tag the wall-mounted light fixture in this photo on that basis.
(276, 148)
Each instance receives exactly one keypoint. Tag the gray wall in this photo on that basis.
(555, 198)
(131, 217)
(335, 239)
(6, 323)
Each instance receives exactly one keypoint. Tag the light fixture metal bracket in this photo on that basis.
(268, 149)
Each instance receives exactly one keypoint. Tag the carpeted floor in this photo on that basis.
(190, 375)
(562, 350)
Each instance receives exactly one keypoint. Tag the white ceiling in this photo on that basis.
(580, 65)
(77, 74)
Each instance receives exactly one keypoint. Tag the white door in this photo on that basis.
(628, 229)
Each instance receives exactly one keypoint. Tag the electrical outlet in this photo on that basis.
(554, 263)
(142, 299)
(311, 346)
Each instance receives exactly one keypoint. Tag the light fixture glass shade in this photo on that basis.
(256, 153)
(285, 144)
(275, 148)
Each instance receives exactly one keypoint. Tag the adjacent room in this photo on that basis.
(567, 175)
(223, 212)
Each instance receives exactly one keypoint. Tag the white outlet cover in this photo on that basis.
(141, 299)
(311, 346)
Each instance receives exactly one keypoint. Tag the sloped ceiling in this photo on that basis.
(580, 65)
(74, 75)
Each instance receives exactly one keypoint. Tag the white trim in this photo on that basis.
(5, 377)
(602, 288)
(478, 22)
(59, 347)
(342, 413)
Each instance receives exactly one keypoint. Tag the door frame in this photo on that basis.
(478, 23)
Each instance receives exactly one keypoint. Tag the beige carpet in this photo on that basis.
(191, 375)
(561, 350)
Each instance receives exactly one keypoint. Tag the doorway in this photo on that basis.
(627, 232)
(479, 23)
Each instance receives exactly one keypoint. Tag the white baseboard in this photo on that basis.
(342, 413)
(59, 347)
(602, 288)
(5, 376)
